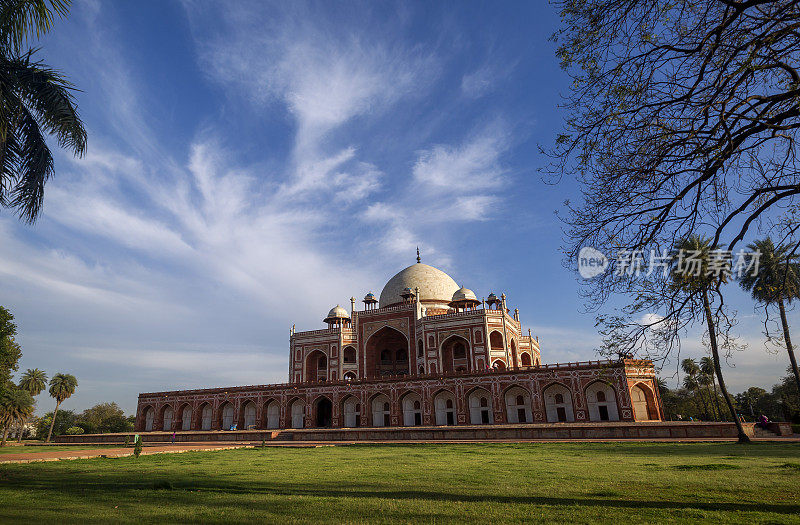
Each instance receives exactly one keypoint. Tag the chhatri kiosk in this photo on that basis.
(427, 352)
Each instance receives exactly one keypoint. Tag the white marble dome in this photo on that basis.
(463, 294)
(337, 312)
(433, 284)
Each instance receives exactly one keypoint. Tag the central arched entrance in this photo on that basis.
(324, 412)
(387, 353)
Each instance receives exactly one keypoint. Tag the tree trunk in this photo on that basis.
(5, 433)
(21, 428)
(53, 422)
(788, 341)
(702, 397)
(712, 338)
(716, 396)
(698, 404)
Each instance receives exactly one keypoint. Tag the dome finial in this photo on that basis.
(418, 258)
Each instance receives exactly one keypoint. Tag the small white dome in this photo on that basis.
(337, 312)
(464, 294)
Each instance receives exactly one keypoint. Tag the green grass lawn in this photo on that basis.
(16, 449)
(585, 483)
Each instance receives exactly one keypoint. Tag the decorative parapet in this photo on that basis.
(386, 309)
(640, 367)
(607, 363)
(347, 332)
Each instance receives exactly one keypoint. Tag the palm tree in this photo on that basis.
(15, 405)
(777, 282)
(62, 386)
(692, 384)
(698, 284)
(707, 369)
(35, 101)
(32, 381)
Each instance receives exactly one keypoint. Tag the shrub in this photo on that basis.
(127, 441)
(72, 431)
(64, 420)
(137, 448)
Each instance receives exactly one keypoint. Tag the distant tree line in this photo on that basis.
(100, 419)
(699, 399)
(17, 402)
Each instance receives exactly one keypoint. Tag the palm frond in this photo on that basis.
(49, 95)
(24, 20)
(34, 167)
(778, 275)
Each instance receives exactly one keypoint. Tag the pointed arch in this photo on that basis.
(322, 413)
(479, 401)
(297, 412)
(205, 414)
(386, 353)
(444, 404)
(601, 400)
(411, 402)
(166, 416)
(248, 413)
(149, 416)
(352, 410)
(518, 404)
(558, 403)
(643, 402)
(183, 417)
(496, 341)
(381, 407)
(316, 366)
(454, 354)
(349, 355)
(226, 415)
(272, 414)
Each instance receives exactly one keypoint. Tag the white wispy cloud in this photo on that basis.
(482, 80)
(325, 78)
(450, 184)
(147, 249)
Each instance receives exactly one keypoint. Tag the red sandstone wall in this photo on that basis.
(621, 376)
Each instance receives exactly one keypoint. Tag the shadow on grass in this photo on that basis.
(77, 486)
(728, 450)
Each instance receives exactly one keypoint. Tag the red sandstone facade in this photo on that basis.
(427, 356)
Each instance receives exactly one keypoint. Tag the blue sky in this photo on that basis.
(250, 165)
